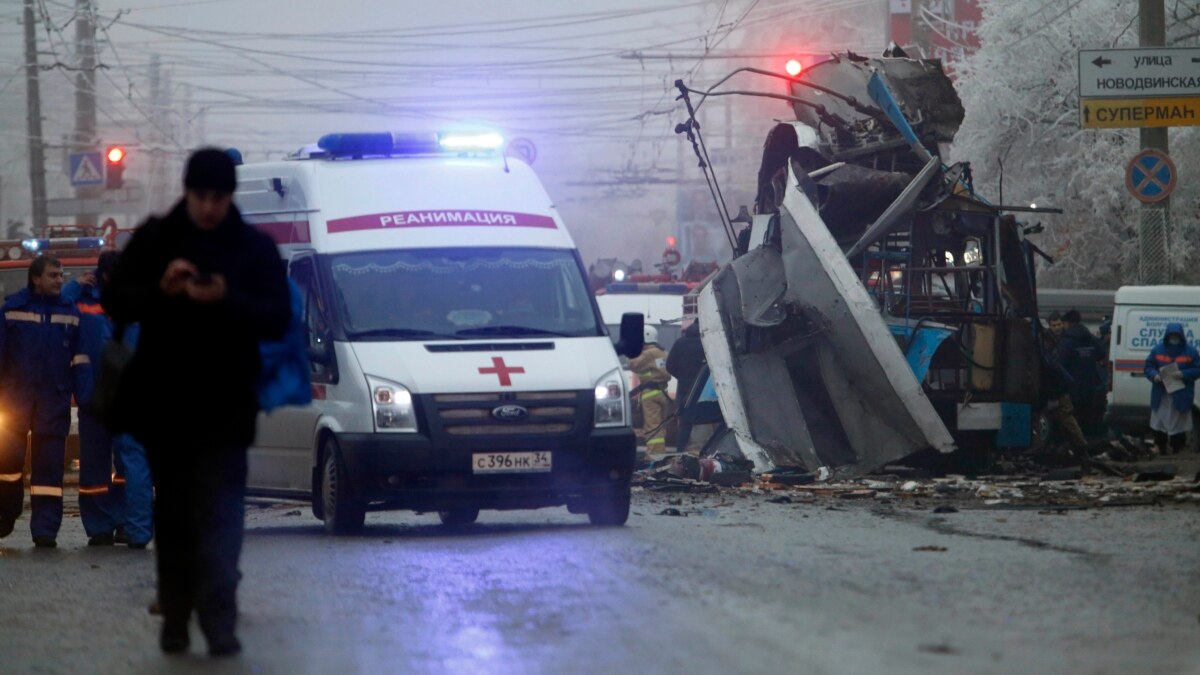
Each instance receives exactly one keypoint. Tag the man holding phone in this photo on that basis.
(206, 288)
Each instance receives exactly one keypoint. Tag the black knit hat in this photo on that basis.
(1072, 316)
(210, 169)
(105, 264)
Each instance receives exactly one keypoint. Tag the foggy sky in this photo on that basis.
(268, 76)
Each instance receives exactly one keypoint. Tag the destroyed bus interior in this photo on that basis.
(895, 305)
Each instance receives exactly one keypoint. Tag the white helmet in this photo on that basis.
(649, 334)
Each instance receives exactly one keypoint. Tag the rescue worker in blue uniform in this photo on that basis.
(41, 365)
(115, 506)
(1171, 413)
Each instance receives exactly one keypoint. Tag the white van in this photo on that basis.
(459, 358)
(1140, 319)
(663, 310)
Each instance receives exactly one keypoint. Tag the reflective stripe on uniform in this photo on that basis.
(10, 477)
(66, 319)
(90, 308)
(101, 490)
(118, 480)
(32, 317)
(656, 441)
(651, 393)
(45, 491)
(80, 359)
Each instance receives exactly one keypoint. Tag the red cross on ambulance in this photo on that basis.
(502, 371)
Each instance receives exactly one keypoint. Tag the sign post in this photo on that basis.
(1139, 88)
(1150, 88)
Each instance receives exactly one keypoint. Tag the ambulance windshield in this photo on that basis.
(462, 293)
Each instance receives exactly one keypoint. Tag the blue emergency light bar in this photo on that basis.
(58, 243)
(389, 144)
(487, 141)
(647, 287)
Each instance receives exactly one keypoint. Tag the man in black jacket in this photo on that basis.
(206, 288)
(1080, 353)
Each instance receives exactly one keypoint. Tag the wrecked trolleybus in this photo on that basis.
(896, 306)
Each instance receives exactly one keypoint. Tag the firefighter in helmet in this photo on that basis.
(651, 369)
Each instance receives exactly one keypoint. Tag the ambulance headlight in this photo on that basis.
(610, 400)
(392, 406)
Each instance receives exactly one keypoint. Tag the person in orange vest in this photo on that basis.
(41, 365)
(651, 369)
(115, 506)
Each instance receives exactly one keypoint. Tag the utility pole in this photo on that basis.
(1154, 232)
(155, 186)
(33, 111)
(85, 96)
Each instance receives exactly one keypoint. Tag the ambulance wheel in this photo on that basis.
(343, 514)
(610, 509)
(458, 517)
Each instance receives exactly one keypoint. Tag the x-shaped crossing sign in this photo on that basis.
(1151, 176)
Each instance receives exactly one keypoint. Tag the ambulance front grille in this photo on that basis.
(546, 413)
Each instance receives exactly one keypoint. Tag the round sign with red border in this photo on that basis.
(523, 149)
(1151, 176)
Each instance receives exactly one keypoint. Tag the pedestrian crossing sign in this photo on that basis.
(86, 169)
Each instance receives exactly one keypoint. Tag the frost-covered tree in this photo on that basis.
(1020, 91)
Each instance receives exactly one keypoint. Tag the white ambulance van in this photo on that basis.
(1140, 319)
(460, 362)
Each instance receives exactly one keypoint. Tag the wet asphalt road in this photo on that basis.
(737, 585)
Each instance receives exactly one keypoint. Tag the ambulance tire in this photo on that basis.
(458, 517)
(343, 514)
(610, 509)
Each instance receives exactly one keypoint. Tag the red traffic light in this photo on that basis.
(793, 67)
(114, 169)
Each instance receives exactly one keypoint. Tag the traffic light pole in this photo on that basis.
(33, 111)
(1154, 265)
(85, 96)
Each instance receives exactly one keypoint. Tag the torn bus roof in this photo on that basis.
(806, 370)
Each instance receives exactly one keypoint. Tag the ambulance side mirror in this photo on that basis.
(320, 352)
(631, 339)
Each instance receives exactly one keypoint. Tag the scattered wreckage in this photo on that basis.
(1046, 485)
(876, 306)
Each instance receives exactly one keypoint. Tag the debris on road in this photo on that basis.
(1154, 473)
(1071, 473)
(934, 549)
(1054, 491)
